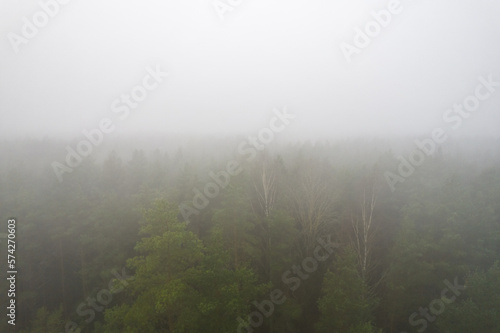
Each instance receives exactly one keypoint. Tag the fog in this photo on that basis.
(250, 166)
(229, 69)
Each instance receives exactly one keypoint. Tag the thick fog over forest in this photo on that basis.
(249, 166)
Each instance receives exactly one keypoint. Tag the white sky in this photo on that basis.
(227, 76)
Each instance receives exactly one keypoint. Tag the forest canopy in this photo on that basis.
(306, 238)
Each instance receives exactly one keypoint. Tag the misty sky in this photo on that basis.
(226, 76)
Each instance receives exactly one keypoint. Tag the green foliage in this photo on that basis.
(346, 304)
(480, 310)
(441, 223)
(47, 321)
(180, 284)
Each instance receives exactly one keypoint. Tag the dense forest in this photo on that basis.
(179, 236)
